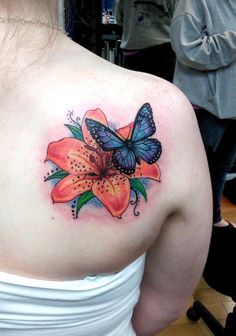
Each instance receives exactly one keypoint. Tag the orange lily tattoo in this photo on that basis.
(85, 170)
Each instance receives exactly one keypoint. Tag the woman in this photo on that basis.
(98, 188)
(145, 41)
(203, 36)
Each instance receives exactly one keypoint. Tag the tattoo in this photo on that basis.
(105, 165)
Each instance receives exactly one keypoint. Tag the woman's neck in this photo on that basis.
(28, 28)
(27, 22)
(43, 10)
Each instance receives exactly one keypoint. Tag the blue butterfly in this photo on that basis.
(128, 152)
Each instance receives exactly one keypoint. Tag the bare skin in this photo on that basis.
(223, 223)
(40, 239)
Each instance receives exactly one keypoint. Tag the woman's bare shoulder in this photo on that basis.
(104, 152)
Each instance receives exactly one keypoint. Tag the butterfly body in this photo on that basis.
(131, 148)
(129, 152)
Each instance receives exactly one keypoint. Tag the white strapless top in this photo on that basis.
(94, 306)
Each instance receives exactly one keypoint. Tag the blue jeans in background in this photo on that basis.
(219, 138)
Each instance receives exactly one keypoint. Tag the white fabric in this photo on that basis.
(94, 306)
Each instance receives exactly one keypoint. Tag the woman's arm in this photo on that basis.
(175, 262)
(119, 11)
(195, 47)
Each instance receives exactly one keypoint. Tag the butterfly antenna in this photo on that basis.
(120, 135)
(129, 135)
(130, 130)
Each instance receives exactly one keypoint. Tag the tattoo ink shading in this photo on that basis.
(136, 147)
(97, 163)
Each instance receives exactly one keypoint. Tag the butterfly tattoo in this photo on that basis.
(129, 152)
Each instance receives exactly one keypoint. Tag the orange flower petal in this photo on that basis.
(146, 170)
(73, 156)
(126, 131)
(97, 115)
(114, 193)
(70, 187)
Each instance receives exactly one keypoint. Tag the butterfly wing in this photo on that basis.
(103, 135)
(124, 160)
(148, 150)
(144, 125)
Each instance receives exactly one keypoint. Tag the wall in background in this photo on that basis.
(107, 4)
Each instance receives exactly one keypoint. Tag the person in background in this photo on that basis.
(145, 40)
(230, 189)
(101, 194)
(203, 35)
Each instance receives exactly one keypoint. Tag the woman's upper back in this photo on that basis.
(47, 229)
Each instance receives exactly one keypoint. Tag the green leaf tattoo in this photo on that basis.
(76, 131)
(58, 175)
(83, 199)
(137, 185)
